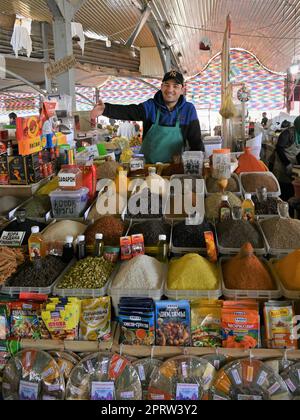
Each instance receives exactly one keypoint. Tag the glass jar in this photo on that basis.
(137, 163)
(221, 164)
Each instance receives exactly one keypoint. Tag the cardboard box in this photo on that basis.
(4, 179)
(28, 133)
(24, 170)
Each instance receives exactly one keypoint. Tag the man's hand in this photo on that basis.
(98, 109)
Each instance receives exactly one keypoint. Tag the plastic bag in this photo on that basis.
(228, 109)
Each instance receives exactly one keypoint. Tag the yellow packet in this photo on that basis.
(95, 319)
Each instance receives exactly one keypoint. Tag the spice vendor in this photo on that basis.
(287, 154)
(170, 122)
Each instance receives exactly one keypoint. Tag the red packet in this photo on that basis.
(138, 247)
(117, 366)
(211, 247)
(126, 251)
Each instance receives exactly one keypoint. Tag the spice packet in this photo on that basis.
(173, 323)
(62, 319)
(241, 325)
(95, 319)
(137, 329)
(211, 248)
(126, 251)
(4, 322)
(279, 323)
(138, 247)
(24, 320)
(206, 318)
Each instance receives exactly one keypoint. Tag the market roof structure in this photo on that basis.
(270, 29)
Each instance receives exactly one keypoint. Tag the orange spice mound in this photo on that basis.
(246, 272)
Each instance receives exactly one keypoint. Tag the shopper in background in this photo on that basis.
(12, 118)
(126, 129)
(170, 123)
(264, 121)
(287, 154)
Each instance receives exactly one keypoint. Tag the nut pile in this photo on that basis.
(90, 273)
(10, 259)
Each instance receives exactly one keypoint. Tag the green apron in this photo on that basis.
(162, 143)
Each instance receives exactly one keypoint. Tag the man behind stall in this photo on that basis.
(170, 122)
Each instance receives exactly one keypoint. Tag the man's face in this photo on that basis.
(171, 91)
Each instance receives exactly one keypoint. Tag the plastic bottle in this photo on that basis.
(248, 209)
(81, 247)
(36, 244)
(68, 250)
(9, 149)
(163, 249)
(225, 212)
(99, 245)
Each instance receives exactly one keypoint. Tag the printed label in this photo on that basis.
(291, 385)
(66, 180)
(90, 366)
(219, 398)
(187, 392)
(157, 397)
(236, 377)
(28, 391)
(14, 239)
(103, 391)
(35, 250)
(141, 372)
(274, 388)
(127, 395)
(298, 371)
(249, 398)
(262, 378)
(184, 369)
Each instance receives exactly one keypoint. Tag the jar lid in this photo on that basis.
(162, 237)
(69, 239)
(35, 229)
(99, 236)
(81, 238)
(224, 197)
(248, 196)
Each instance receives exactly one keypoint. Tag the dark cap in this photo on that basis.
(174, 75)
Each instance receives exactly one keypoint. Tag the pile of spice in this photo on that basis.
(252, 182)
(148, 205)
(212, 185)
(107, 170)
(282, 233)
(173, 169)
(212, 204)
(192, 272)
(142, 272)
(246, 272)
(111, 227)
(90, 273)
(268, 207)
(10, 259)
(8, 203)
(288, 270)
(235, 233)
(26, 226)
(58, 231)
(151, 231)
(37, 274)
(190, 236)
(48, 187)
(38, 206)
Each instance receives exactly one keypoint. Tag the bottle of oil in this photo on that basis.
(36, 244)
(81, 248)
(248, 209)
(163, 249)
(68, 250)
(99, 245)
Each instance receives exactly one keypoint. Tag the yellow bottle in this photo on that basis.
(36, 244)
(248, 209)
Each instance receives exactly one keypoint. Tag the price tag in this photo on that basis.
(103, 391)
(66, 180)
(13, 239)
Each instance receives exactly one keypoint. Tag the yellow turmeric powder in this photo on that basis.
(246, 272)
(288, 270)
(192, 272)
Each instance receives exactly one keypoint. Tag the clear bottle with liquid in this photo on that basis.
(225, 211)
(248, 209)
(81, 248)
(163, 249)
(36, 244)
(99, 245)
(68, 250)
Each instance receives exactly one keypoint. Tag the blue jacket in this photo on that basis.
(147, 111)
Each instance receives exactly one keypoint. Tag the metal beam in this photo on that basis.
(45, 39)
(143, 19)
(17, 76)
(159, 47)
(54, 9)
(77, 4)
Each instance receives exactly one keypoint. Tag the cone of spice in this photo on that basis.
(246, 272)
(288, 269)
